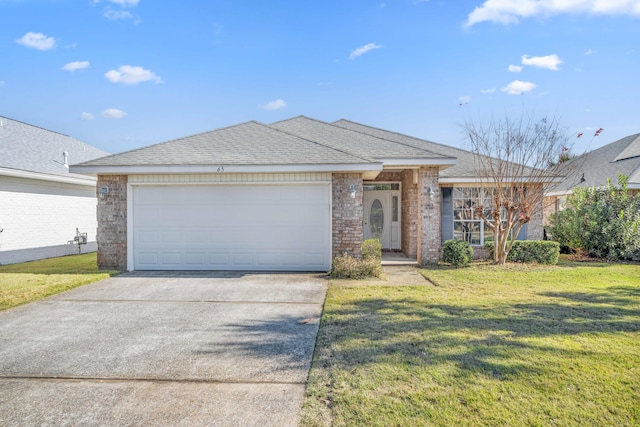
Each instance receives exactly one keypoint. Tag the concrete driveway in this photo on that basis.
(162, 348)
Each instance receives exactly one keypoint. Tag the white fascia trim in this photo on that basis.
(473, 180)
(631, 186)
(89, 181)
(558, 193)
(195, 169)
(408, 163)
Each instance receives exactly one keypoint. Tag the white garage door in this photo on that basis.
(232, 227)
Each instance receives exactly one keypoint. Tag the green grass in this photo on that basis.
(30, 281)
(498, 346)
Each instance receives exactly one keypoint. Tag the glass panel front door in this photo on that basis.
(376, 219)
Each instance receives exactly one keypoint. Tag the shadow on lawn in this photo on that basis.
(416, 332)
(476, 339)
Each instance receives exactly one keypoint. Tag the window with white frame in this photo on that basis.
(467, 225)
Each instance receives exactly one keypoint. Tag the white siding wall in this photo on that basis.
(42, 214)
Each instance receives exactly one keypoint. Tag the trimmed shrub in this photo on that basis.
(370, 265)
(349, 267)
(458, 253)
(372, 249)
(528, 251)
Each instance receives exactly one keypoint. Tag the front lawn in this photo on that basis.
(496, 346)
(30, 281)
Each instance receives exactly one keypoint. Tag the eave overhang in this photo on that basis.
(412, 163)
(369, 169)
(485, 181)
(16, 173)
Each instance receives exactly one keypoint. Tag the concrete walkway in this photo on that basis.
(189, 349)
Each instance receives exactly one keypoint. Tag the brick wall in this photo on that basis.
(347, 231)
(429, 246)
(549, 207)
(112, 223)
(410, 215)
(535, 229)
(386, 176)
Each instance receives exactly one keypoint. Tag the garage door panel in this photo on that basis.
(241, 227)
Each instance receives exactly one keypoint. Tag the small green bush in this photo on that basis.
(349, 267)
(372, 249)
(528, 251)
(370, 265)
(458, 253)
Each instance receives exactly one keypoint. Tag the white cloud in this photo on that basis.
(549, 62)
(37, 41)
(274, 105)
(129, 75)
(487, 91)
(113, 113)
(518, 87)
(515, 68)
(364, 49)
(115, 15)
(590, 52)
(511, 11)
(125, 3)
(464, 99)
(76, 65)
(88, 116)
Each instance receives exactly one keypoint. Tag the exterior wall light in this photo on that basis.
(352, 190)
(103, 191)
(431, 193)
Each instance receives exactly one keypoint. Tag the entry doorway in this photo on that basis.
(382, 214)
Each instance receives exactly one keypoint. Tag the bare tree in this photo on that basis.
(514, 160)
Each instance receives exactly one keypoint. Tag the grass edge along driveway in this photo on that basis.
(500, 346)
(34, 280)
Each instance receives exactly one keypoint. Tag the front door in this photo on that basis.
(381, 217)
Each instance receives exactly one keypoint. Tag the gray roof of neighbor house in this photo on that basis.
(249, 143)
(464, 167)
(361, 144)
(30, 149)
(602, 164)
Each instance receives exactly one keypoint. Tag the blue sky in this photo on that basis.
(121, 74)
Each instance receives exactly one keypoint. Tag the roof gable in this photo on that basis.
(246, 144)
(595, 168)
(464, 168)
(29, 148)
(360, 144)
(632, 150)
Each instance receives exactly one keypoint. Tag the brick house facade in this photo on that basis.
(293, 205)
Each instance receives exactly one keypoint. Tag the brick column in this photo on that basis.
(112, 223)
(347, 215)
(410, 215)
(429, 246)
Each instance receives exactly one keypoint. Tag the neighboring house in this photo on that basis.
(594, 169)
(41, 203)
(287, 196)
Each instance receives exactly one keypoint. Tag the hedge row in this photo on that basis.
(527, 251)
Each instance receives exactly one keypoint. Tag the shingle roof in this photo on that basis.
(28, 148)
(352, 141)
(249, 143)
(597, 166)
(463, 168)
